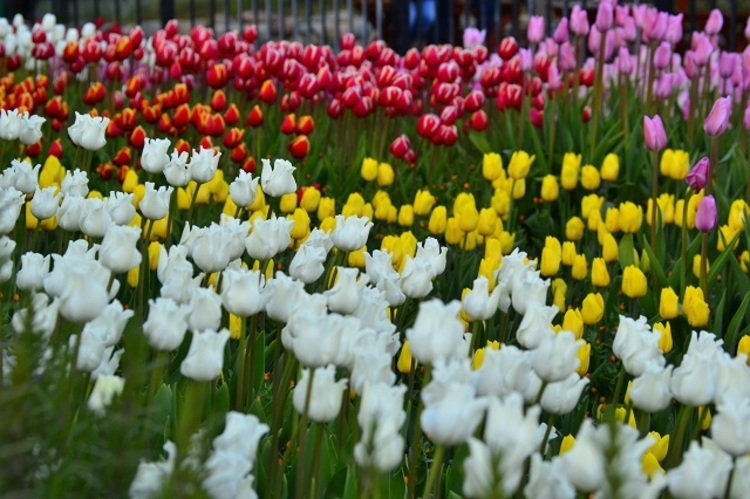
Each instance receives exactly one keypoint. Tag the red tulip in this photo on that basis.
(478, 121)
(400, 146)
(299, 147)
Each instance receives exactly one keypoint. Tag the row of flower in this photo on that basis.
(542, 290)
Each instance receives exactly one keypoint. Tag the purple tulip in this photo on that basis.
(561, 32)
(653, 133)
(567, 57)
(579, 21)
(705, 217)
(717, 121)
(663, 55)
(746, 117)
(535, 30)
(702, 47)
(674, 29)
(604, 16)
(714, 23)
(625, 62)
(727, 61)
(622, 13)
(698, 175)
(690, 66)
(658, 28)
(747, 29)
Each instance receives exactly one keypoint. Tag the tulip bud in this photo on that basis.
(634, 283)
(706, 217)
(400, 146)
(653, 133)
(599, 273)
(592, 309)
(717, 121)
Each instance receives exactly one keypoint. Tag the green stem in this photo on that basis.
(437, 463)
(547, 433)
(704, 265)
(654, 197)
(192, 203)
(240, 393)
(678, 437)
(416, 437)
(302, 458)
(683, 252)
(317, 459)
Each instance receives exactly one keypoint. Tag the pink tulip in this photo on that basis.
(640, 14)
(727, 62)
(747, 29)
(691, 68)
(674, 29)
(579, 21)
(561, 32)
(664, 84)
(705, 217)
(746, 117)
(535, 30)
(622, 13)
(567, 57)
(629, 31)
(717, 121)
(658, 29)
(703, 48)
(653, 133)
(604, 16)
(625, 63)
(698, 174)
(714, 23)
(663, 55)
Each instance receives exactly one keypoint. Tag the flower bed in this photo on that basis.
(275, 271)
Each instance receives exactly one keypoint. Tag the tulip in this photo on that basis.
(535, 30)
(714, 23)
(592, 308)
(579, 21)
(697, 177)
(668, 304)
(717, 121)
(604, 16)
(205, 358)
(610, 168)
(88, 131)
(653, 133)
(706, 217)
(279, 179)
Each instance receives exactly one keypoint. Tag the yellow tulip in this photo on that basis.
(492, 166)
(610, 167)
(550, 188)
(592, 308)
(599, 273)
(631, 217)
(590, 179)
(668, 303)
(574, 229)
(520, 163)
(580, 268)
(369, 169)
(573, 322)
(570, 169)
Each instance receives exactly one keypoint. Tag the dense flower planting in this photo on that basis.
(241, 270)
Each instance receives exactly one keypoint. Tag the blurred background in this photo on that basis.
(401, 23)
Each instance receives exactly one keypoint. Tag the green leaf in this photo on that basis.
(222, 399)
(259, 367)
(541, 157)
(718, 323)
(162, 403)
(730, 335)
(479, 139)
(625, 255)
(656, 269)
(719, 263)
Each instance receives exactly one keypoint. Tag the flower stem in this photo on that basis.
(654, 196)
(302, 458)
(704, 265)
(416, 437)
(547, 433)
(437, 464)
(675, 444)
(239, 402)
(683, 252)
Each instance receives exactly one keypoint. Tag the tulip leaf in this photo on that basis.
(718, 324)
(222, 400)
(509, 131)
(479, 139)
(626, 249)
(259, 368)
(656, 268)
(730, 335)
(393, 486)
(648, 304)
(350, 484)
(740, 277)
(541, 158)
(718, 264)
